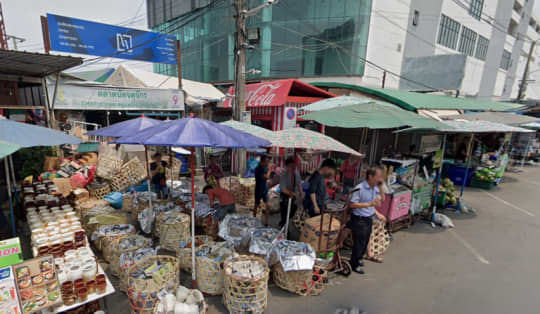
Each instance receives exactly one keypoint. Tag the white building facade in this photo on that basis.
(477, 48)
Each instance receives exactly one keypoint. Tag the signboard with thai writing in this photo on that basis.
(10, 252)
(78, 97)
(73, 35)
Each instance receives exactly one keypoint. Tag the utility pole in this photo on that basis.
(523, 84)
(240, 59)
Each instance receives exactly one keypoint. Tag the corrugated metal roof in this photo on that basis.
(34, 64)
(414, 101)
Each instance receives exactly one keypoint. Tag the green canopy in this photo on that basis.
(413, 101)
(466, 126)
(373, 115)
(7, 149)
(497, 117)
(250, 128)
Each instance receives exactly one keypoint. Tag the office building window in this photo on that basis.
(448, 32)
(475, 8)
(482, 48)
(506, 60)
(467, 42)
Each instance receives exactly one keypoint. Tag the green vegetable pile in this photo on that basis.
(450, 189)
(485, 175)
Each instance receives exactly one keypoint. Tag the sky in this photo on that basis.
(21, 18)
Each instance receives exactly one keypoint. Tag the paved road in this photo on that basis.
(487, 264)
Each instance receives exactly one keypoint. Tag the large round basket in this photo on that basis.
(203, 309)
(174, 231)
(134, 170)
(209, 274)
(301, 282)
(184, 252)
(246, 284)
(142, 293)
(98, 191)
(117, 252)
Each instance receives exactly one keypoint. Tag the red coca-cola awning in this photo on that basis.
(275, 93)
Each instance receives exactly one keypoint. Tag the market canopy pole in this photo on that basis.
(13, 229)
(194, 132)
(438, 185)
(467, 165)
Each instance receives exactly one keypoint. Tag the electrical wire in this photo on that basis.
(201, 11)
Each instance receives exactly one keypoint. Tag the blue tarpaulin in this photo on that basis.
(126, 128)
(28, 135)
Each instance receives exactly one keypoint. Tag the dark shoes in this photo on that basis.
(358, 269)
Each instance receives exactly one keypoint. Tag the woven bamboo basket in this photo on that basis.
(120, 182)
(243, 294)
(184, 253)
(173, 232)
(108, 166)
(209, 274)
(127, 202)
(99, 191)
(301, 282)
(106, 243)
(142, 293)
(299, 219)
(135, 171)
(117, 252)
(82, 207)
(142, 205)
(379, 241)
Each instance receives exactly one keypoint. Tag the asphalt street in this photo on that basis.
(488, 263)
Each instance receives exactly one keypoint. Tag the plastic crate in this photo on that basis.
(441, 198)
(476, 183)
(457, 174)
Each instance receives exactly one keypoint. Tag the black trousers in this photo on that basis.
(361, 231)
(283, 204)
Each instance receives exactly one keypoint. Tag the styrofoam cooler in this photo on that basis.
(397, 204)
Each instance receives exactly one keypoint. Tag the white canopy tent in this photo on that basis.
(197, 93)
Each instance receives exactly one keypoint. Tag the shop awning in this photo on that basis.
(373, 115)
(498, 117)
(275, 93)
(414, 101)
(197, 93)
(34, 64)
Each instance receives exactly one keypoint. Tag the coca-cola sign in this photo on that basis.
(268, 94)
(263, 95)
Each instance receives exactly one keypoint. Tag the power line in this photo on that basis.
(201, 10)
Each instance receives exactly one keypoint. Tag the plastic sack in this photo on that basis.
(143, 187)
(114, 199)
(78, 181)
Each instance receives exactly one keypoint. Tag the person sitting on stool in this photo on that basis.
(226, 201)
(365, 198)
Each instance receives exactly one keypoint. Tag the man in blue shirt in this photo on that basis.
(366, 196)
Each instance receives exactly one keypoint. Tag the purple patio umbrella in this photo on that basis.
(193, 132)
(125, 128)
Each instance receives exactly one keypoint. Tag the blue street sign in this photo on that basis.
(85, 37)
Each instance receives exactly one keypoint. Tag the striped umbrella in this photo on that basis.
(306, 139)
